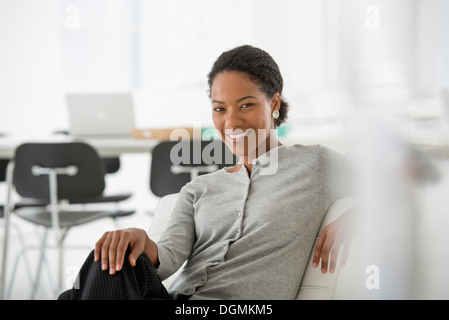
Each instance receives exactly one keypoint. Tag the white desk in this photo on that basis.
(117, 146)
(105, 147)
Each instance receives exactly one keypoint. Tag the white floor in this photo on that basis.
(132, 177)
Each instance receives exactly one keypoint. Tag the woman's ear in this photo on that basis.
(275, 102)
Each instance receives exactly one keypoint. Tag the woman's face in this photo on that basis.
(241, 113)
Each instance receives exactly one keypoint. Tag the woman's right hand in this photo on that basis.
(112, 246)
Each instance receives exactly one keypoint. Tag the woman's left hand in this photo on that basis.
(335, 236)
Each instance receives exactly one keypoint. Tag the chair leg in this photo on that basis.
(4, 258)
(7, 211)
(51, 275)
(57, 283)
(61, 259)
(118, 223)
(61, 267)
(23, 252)
(41, 262)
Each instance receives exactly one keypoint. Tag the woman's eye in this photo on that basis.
(246, 105)
(218, 109)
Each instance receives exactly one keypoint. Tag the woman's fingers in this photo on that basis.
(318, 247)
(323, 248)
(325, 251)
(112, 251)
(105, 251)
(136, 251)
(111, 248)
(117, 249)
(122, 246)
(335, 237)
(98, 246)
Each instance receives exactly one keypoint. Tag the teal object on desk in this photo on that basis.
(282, 131)
(210, 133)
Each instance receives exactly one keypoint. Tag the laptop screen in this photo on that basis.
(101, 115)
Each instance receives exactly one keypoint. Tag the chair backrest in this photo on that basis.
(110, 164)
(175, 163)
(3, 165)
(160, 219)
(314, 285)
(88, 182)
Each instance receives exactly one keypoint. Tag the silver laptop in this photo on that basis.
(101, 115)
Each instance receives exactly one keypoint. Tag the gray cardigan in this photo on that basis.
(250, 237)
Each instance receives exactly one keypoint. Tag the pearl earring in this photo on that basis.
(275, 114)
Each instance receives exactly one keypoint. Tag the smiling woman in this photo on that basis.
(245, 87)
(243, 232)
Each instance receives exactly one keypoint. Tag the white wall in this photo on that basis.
(331, 60)
(31, 100)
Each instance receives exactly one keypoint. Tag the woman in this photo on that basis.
(245, 231)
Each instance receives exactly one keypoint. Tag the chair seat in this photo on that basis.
(69, 218)
(28, 202)
(104, 198)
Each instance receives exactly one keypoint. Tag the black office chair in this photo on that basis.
(62, 175)
(175, 163)
(3, 165)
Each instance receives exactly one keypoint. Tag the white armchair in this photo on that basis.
(314, 286)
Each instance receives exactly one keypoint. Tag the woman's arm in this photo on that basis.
(336, 236)
(339, 177)
(112, 246)
(172, 250)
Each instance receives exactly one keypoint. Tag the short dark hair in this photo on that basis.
(261, 68)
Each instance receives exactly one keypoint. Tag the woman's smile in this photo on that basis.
(238, 135)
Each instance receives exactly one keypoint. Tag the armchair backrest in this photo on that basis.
(314, 284)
